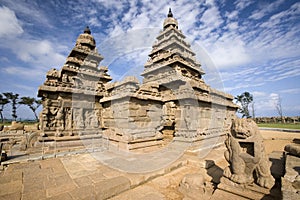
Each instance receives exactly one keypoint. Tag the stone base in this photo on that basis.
(69, 143)
(242, 191)
(291, 180)
(138, 145)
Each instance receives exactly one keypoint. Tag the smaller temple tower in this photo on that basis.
(71, 95)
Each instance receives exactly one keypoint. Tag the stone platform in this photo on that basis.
(85, 176)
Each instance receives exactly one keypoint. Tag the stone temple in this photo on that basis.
(173, 103)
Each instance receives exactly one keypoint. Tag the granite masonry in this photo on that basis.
(172, 103)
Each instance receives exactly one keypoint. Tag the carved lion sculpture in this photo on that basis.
(246, 155)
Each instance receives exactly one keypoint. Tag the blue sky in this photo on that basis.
(253, 45)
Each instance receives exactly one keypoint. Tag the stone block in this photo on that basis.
(11, 196)
(33, 185)
(86, 192)
(60, 189)
(292, 168)
(11, 187)
(83, 181)
(9, 177)
(34, 195)
(243, 191)
(293, 149)
(62, 196)
(97, 177)
(111, 187)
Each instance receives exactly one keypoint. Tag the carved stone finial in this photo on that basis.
(170, 14)
(87, 30)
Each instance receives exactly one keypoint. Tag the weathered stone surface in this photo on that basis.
(244, 191)
(173, 102)
(83, 192)
(293, 149)
(11, 187)
(34, 195)
(195, 185)
(111, 187)
(246, 155)
(291, 180)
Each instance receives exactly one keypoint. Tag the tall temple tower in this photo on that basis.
(171, 55)
(172, 104)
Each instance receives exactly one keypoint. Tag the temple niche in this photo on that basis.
(173, 103)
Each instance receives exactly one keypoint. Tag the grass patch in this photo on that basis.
(7, 123)
(279, 125)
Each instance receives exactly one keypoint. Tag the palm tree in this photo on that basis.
(13, 100)
(32, 103)
(3, 102)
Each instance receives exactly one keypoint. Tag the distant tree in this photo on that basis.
(32, 103)
(244, 100)
(13, 99)
(3, 102)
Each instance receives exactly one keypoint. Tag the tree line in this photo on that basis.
(245, 99)
(14, 100)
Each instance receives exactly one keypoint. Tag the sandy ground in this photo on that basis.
(276, 140)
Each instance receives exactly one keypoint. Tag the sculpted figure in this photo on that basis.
(65, 78)
(94, 119)
(246, 155)
(78, 119)
(53, 73)
(59, 118)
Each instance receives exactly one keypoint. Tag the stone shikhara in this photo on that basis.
(172, 103)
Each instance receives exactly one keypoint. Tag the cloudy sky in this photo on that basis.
(251, 45)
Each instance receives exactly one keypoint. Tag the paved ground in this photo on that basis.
(83, 176)
(92, 175)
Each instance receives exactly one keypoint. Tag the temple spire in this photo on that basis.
(170, 14)
(87, 30)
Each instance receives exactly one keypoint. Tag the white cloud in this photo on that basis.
(9, 24)
(264, 103)
(291, 91)
(266, 8)
(93, 21)
(38, 52)
(230, 53)
(25, 73)
(31, 11)
(242, 4)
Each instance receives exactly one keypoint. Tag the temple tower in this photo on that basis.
(172, 104)
(71, 95)
(190, 105)
(171, 54)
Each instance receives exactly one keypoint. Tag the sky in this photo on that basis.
(246, 45)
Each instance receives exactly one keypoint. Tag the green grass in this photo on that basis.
(279, 125)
